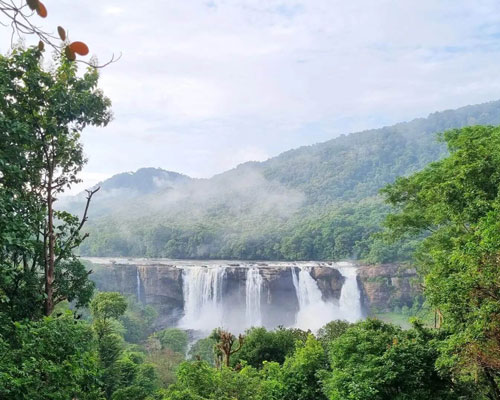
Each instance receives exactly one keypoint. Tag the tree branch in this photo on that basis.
(84, 219)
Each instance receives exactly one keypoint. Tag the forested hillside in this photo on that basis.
(315, 202)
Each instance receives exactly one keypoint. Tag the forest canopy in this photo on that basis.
(319, 202)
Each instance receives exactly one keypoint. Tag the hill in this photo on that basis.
(123, 189)
(314, 202)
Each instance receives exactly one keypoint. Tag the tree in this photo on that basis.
(138, 321)
(105, 308)
(224, 344)
(123, 372)
(261, 345)
(455, 203)
(203, 349)
(331, 331)
(199, 381)
(300, 372)
(377, 361)
(173, 339)
(52, 358)
(107, 305)
(43, 115)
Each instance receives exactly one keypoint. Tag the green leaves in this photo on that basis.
(43, 113)
(52, 358)
(173, 339)
(107, 305)
(456, 202)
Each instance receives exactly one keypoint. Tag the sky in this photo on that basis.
(204, 85)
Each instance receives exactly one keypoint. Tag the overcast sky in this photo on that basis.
(204, 85)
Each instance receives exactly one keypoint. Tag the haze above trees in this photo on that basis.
(316, 202)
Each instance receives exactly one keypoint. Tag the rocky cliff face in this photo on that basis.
(388, 285)
(160, 284)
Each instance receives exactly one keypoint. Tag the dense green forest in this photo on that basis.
(318, 202)
(61, 340)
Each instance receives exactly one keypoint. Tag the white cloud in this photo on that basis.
(203, 85)
(113, 10)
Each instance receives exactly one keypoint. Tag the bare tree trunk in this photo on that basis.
(50, 262)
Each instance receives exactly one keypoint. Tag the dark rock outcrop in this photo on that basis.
(329, 280)
(162, 288)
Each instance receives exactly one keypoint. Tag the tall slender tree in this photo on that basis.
(42, 115)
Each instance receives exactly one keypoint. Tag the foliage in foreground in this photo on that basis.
(367, 360)
(43, 113)
(456, 202)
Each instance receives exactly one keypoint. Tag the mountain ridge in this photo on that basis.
(314, 202)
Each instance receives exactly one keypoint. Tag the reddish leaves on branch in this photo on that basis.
(76, 48)
(41, 10)
(79, 48)
(70, 50)
(62, 33)
(37, 6)
(18, 15)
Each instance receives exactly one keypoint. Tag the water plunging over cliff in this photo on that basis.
(350, 296)
(314, 312)
(253, 287)
(138, 283)
(202, 287)
(237, 295)
(202, 295)
(214, 299)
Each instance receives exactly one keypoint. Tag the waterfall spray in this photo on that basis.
(313, 312)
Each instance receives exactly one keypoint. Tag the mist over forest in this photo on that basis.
(318, 202)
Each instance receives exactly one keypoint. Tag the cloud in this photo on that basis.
(204, 85)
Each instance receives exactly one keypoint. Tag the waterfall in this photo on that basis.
(314, 312)
(252, 293)
(240, 306)
(350, 296)
(308, 293)
(202, 291)
(138, 284)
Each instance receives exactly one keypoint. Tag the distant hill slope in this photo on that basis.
(317, 201)
(358, 165)
(144, 180)
(123, 189)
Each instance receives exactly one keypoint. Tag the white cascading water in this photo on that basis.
(350, 297)
(253, 293)
(202, 288)
(206, 309)
(314, 312)
(138, 283)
